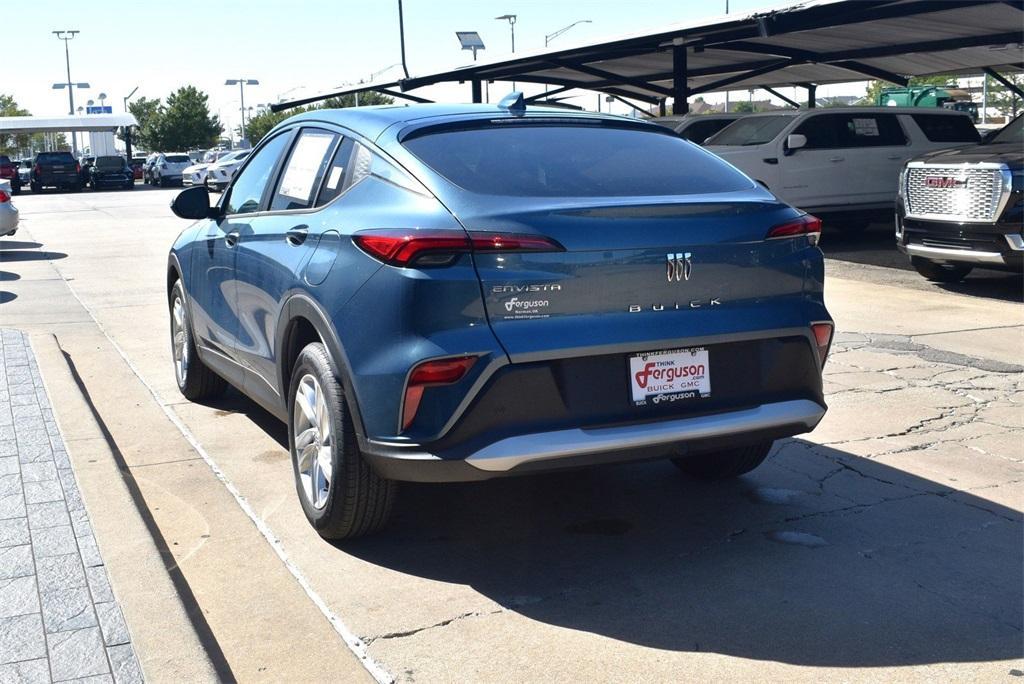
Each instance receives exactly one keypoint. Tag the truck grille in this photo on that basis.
(955, 193)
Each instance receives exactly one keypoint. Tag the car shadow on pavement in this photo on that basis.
(6, 296)
(8, 276)
(16, 244)
(8, 256)
(1007, 287)
(817, 558)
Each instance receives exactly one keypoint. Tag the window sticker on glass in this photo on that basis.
(867, 127)
(335, 177)
(304, 164)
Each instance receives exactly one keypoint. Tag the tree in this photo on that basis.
(1002, 98)
(184, 123)
(366, 99)
(875, 87)
(147, 113)
(744, 107)
(9, 143)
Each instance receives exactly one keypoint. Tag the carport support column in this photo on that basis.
(680, 89)
(477, 94)
(128, 144)
(812, 95)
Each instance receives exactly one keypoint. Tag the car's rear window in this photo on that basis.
(944, 128)
(178, 158)
(109, 163)
(532, 160)
(55, 158)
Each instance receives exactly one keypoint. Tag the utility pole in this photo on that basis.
(68, 36)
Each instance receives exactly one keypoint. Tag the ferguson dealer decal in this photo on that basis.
(669, 375)
(528, 301)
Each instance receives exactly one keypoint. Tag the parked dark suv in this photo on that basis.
(441, 293)
(963, 207)
(56, 170)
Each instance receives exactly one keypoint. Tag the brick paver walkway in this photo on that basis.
(59, 620)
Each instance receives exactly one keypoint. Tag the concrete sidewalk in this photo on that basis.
(59, 618)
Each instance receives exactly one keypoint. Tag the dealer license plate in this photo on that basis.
(667, 376)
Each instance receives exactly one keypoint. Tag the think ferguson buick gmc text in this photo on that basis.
(442, 293)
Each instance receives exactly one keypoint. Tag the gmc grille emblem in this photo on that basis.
(944, 182)
(678, 266)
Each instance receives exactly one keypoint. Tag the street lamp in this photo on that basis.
(103, 99)
(511, 19)
(551, 36)
(68, 36)
(128, 97)
(241, 83)
(470, 40)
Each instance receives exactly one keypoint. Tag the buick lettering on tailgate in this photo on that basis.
(669, 375)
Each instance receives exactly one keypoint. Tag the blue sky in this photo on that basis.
(288, 46)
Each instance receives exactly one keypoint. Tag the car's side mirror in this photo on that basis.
(193, 203)
(794, 141)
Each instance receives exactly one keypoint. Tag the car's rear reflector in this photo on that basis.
(823, 339)
(431, 374)
(4, 197)
(805, 225)
(439, 247)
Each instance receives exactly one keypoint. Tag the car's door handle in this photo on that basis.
(231, 238)
(836, 159)
(297, 235)
(771, 160)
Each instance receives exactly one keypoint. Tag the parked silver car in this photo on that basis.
(8, 212)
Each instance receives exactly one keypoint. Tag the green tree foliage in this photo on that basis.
(260, 124)
(147, 113)
(12, 144)
(875, 87)
(1002, 98)
(744, 107)
(185, 123)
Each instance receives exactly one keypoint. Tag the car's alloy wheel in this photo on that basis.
(341, 495)
(195, 380)
(311, 431)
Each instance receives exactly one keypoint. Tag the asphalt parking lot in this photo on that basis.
(885, 545)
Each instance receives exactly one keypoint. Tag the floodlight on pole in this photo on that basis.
(242, 82)
(551, 36)
(470, 40)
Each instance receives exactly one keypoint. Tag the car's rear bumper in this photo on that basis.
(578, 447)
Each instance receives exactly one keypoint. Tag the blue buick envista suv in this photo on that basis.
(458, 292)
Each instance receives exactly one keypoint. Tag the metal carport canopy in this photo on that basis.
(73, 124)
(811, 43)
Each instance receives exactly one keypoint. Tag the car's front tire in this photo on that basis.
(341, 495)
(940, 273)
(724, 464)
(195, 380)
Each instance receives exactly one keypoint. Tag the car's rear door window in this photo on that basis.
(837, 131)
(944, 128)
(305, 168)
(573, 160)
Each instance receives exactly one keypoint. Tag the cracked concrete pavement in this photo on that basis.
(887, 544)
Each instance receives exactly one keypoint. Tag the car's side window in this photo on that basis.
(247, 189)
(306, 165)
(823, 132)
(337, 173)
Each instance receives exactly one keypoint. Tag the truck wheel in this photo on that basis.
(341, 495)
(35, 187)
(940, 273)
(724, 464)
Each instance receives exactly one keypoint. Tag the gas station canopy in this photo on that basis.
(807, 44)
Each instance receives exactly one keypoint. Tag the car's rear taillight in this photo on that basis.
(805, 225)
(823, 339)
(422, 248)
(4, 197)
(431, 374)
(37, 168)
(78, 168)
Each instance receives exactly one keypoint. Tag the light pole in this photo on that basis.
(551, 36)
(242, 82)
(68, 36)
(128, 97)
(511, 19)
(103, 99)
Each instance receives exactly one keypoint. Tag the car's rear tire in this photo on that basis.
(724, 464)
(940, 273)
(195, 380)
(341, 495)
